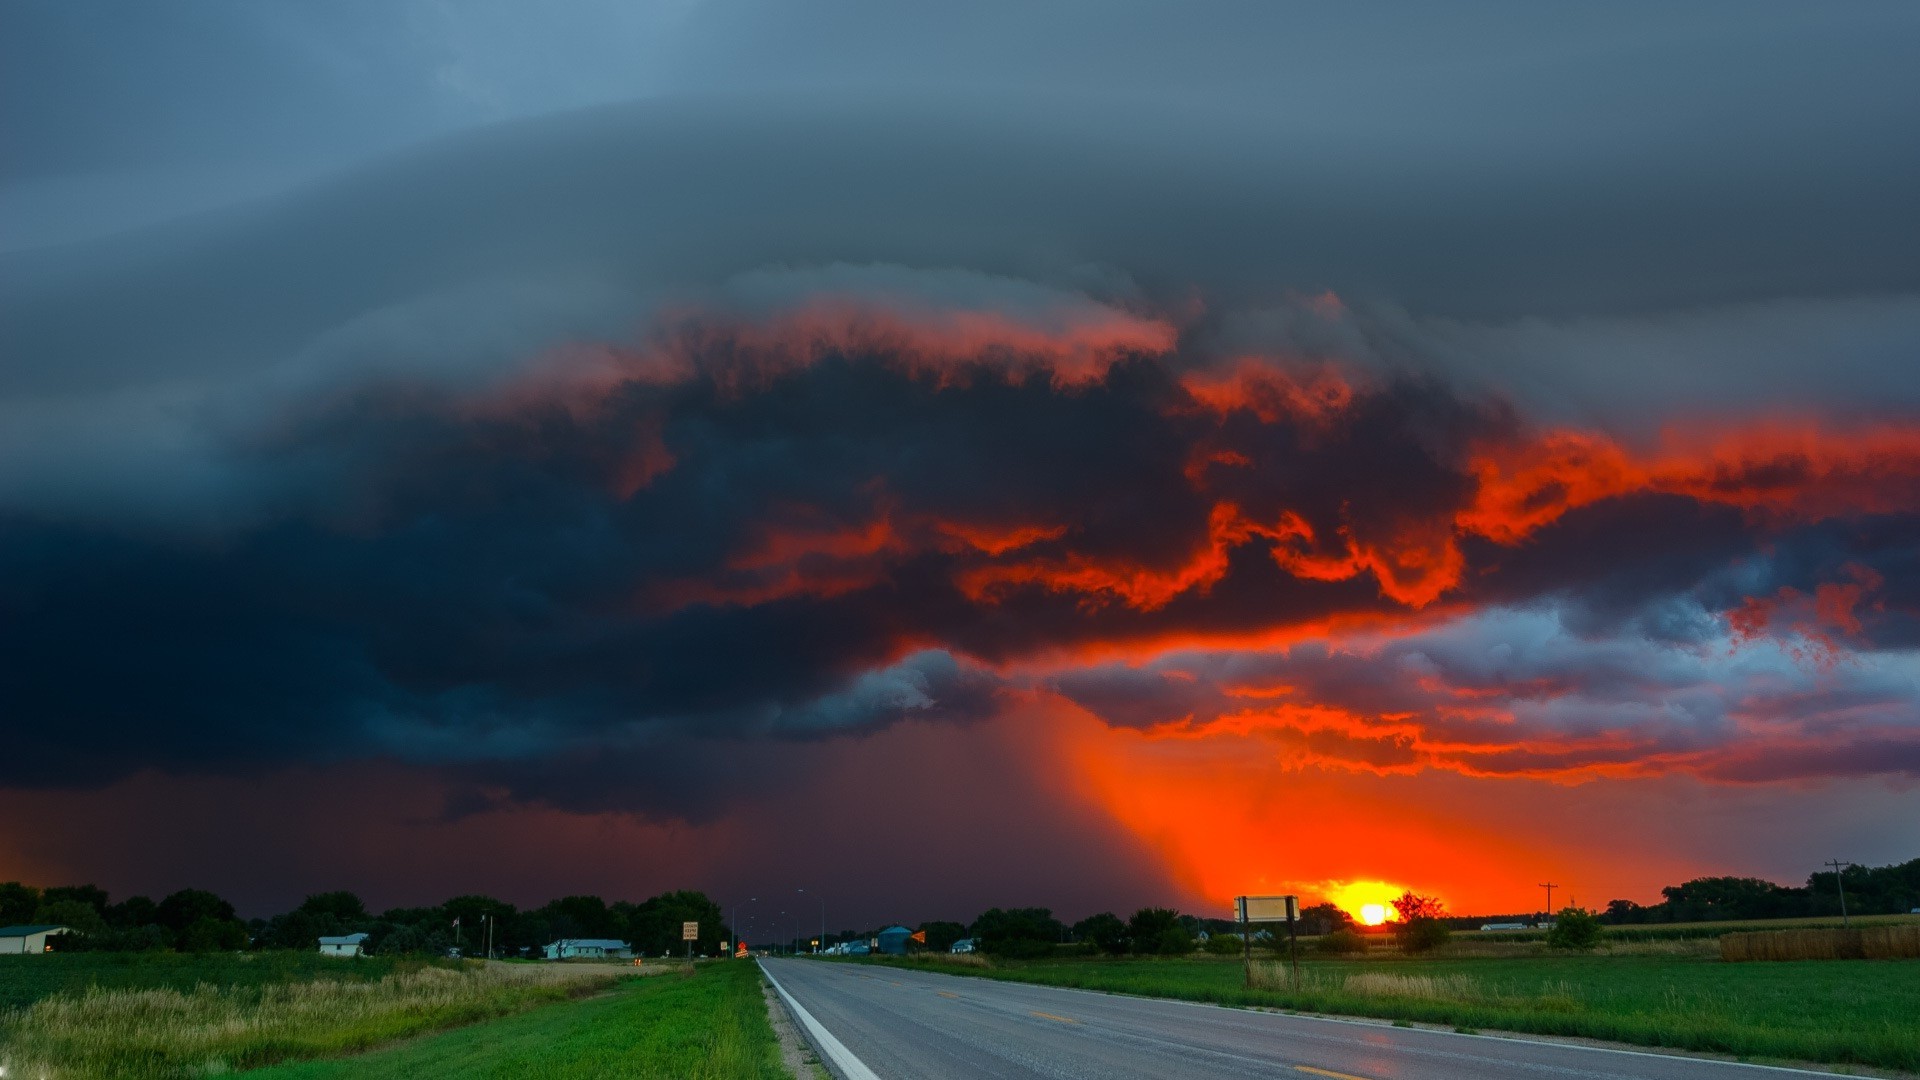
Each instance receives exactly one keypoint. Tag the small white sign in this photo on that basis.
(1267, 908)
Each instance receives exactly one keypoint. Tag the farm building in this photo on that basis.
(964, 945)
(28, 939)
(347, 945)
(893, 940)
(593, 948)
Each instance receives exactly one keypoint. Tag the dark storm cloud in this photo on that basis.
(419, 455)
(733, 535)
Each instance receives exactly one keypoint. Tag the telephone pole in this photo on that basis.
(1549, 886)
(1839, 873)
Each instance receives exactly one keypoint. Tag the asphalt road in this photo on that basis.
(911, 1025)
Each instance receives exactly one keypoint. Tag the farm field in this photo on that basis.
(26, 979)
(710, 1025)
(1830, 1011)
(1694, 930)
(165, 1015)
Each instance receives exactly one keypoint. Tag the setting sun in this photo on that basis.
(1371, 902)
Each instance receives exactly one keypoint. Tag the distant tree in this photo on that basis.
(1323, 919)
(340, 908)
(1018, 932)
(941, 935)
(1421, 927)
(1104, 931)
(134, 911)
(1224, 944)
(581, 917)
(653, 926)
(76, 914)
(1625, 911)
(92, 896)
(17, 903)
(1575, 928)
(1342, 941)
(200, 921)
(1147, 931)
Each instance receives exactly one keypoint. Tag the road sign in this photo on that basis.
(1267, 908)
(689, 931)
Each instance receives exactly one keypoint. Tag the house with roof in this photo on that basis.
(345, 945)
(15, 940)
(589, 949)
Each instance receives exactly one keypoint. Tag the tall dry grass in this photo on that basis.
(1862, 943)
(211, 1030)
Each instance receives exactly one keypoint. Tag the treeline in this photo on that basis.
(1151, 931)
(1870, 890)
(194, 920)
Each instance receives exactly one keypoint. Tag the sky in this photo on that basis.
(1070, 454)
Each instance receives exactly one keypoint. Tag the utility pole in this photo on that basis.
(1839, 876)
(1548, 885)
(823, 918)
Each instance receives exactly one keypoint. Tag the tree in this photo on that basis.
(941, 935)
(653, 925)
(1575, 928)
(1151, 930)
(134, 911)
(1104, 931)
(339, 908)
(1323, 919)
(93, 896)
(17, 903)
(1018, 932)
(76, 914)
(1223, 944)
(1420, 928)
(200, 921)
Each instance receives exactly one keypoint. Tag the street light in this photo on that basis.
(733, 923)
(823, 919)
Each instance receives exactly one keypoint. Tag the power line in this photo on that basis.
(1549, 886)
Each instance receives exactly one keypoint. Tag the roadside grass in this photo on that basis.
(709, 1025)
(161, 1031)
(1858, 1012)
(26, 979)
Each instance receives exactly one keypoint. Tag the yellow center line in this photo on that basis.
(943, 993)
(1061, 1019)
(1327, 1072)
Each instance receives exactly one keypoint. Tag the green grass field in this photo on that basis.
(1832, 1011)
(26, 979)
(711, 1025)
(145, 1028)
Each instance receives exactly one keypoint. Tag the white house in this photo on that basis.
(595, 948)
(27, 939)
(348, 945)
(1505, 926)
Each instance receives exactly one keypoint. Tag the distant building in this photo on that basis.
(1504, 926)
(589, 948)
(965, 944)
(893, 940)
(346, 945)
(28, 939)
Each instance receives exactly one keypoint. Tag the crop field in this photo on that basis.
(161, 1015)
(1832, 1011)
(26, 979)
(1696, 930)
(708, 1025)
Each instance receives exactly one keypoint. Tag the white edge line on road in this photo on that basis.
(845, 1061)
(1516, 1037)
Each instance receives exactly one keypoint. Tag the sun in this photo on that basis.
(1369, 902)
